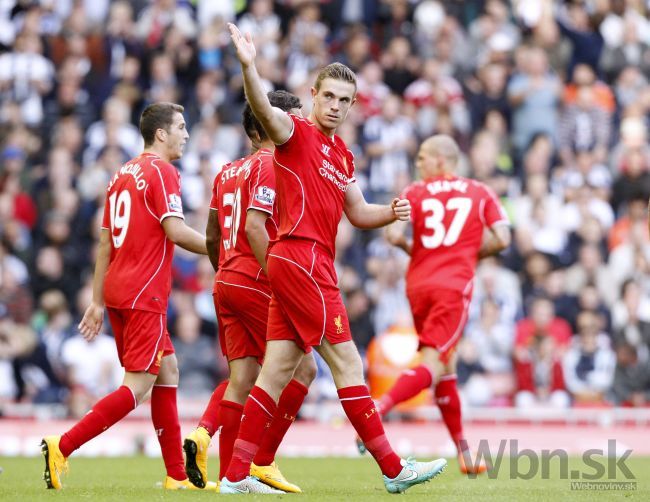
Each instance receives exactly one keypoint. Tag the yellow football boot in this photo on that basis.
(55, 463)
(173, 484)
(196, 446)
(271, 475)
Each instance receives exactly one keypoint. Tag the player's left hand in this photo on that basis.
(91, 323)
(401, 209)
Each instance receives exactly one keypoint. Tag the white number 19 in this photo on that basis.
(120, 215)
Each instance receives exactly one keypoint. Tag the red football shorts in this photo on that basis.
(439, 316)
(141, 337)
(306, 304)
(242, 306)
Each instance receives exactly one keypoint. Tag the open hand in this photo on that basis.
(401, 208)
(244, 44)
(91, 323)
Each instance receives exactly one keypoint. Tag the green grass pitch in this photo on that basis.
(322, 479)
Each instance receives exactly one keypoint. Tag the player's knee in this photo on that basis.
(306, 371)
(169, 374)
(243, 381)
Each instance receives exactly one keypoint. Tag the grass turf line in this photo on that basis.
(322, 479)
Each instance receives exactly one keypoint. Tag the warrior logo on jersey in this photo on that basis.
(325, 149)
(265, 195)
(175, 203)
(339, 324)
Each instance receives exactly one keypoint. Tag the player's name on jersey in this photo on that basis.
(331, 173)
(134, 170)
(233, 171)
(446, 186)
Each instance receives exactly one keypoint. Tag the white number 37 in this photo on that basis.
(434, 221)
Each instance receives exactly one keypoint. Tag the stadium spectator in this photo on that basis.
(390, 144)
(540, 341)
(589, 363)
(631, 378)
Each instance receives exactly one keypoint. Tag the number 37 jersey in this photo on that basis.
(449, 214)
(143, 192)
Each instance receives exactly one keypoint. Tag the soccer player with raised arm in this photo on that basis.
(315, 183)
(243, 218)
(143, 220)
(456, 221)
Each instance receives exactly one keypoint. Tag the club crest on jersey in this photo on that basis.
(265, 195)
(339, 324)
(175, 203)
(325, 149)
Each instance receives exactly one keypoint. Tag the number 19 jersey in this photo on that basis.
(141, 194)
(448, 215)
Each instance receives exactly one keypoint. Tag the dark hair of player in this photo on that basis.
(283, 100)
(157, 116)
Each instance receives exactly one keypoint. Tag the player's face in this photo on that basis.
(177, 137)
(332, 103)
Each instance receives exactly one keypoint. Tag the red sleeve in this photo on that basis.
(491, 212)
(165, 193)
(350, 158)
(214, 201)
(262, 196)
(106, 220)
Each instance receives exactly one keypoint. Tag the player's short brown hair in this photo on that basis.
(281, 99)
(157, 116)
(337, 71)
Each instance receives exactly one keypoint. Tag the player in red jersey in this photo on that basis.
(242, 219)
(143, 220)
(315, 184)
(456, 221)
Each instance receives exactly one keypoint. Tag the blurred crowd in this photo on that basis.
(548, 99)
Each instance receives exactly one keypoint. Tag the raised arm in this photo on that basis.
(367, 216)
(93, 317)
(276, 123)
(495, 240)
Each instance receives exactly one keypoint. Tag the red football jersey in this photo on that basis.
(143, 192)
(247, 183)
(312, 172)
(448, 215)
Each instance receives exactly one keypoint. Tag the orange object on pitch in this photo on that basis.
(388, 355)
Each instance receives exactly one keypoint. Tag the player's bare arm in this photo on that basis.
(396, 235)
(213, 238)
(258, 237)
(91, 323)
(367, 216)
(495, 240)
(276, 123)
(182, 235)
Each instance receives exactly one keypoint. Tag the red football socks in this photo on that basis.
(211, 414)
(448, 402)
(228, 427)
(290, 402)
(106, 412)
(410, 383)
(258, 414)
(364, 416)
(164, 415)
